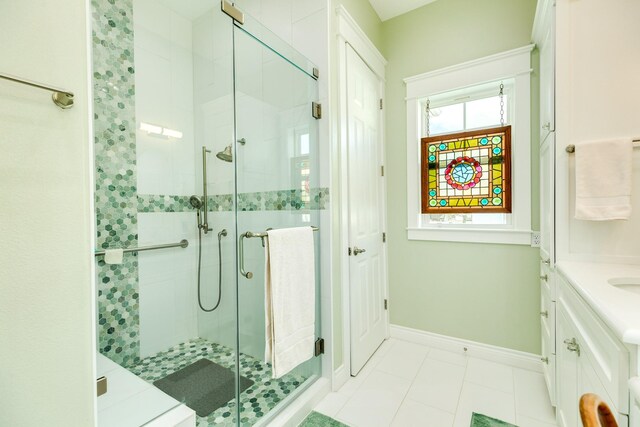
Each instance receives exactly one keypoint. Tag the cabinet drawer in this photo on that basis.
(608, 356)
(548, 280)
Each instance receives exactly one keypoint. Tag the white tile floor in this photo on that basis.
(406, 385)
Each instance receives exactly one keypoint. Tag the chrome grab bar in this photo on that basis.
(571, 148)
(181, 244)
(248, 235)
(62, 98)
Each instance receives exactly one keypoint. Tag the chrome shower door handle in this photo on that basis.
(246, 274)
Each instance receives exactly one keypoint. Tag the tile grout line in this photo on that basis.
(464, 376)
(411, 385)
(373, 367)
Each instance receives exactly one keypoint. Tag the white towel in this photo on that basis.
(603, 180)
(290, 298)
(113, 256)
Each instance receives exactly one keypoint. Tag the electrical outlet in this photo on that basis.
(535, 239)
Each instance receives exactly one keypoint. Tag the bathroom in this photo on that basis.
(153, 150)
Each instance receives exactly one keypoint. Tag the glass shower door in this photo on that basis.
(276, 164)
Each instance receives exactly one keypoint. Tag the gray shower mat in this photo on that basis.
(203, 386)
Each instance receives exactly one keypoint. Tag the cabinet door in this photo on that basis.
(567, 398)
(547, 200)
(547, 74)
(548, 329)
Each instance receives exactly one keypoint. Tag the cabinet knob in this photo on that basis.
(547, 262)
(544, 313)
(545, 360)
(572, 345)
(544, 277)
(546, 126)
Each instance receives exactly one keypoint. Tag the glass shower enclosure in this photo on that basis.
(204, 131)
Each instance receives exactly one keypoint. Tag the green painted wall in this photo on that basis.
(362, 12)
(482, 292)
(366, 17)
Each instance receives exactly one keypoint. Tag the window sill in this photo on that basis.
(470, 235)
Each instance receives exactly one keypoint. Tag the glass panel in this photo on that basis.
(277, 187)
(163, 80)
(446, 119)
(483, 113)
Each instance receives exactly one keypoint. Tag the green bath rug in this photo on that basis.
(316, 419)
(479, 420)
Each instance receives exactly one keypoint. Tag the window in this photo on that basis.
(464, 187)
(483, 156)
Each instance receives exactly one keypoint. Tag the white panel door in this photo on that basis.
(366, 266)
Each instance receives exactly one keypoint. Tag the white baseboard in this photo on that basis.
(515, 358)
(299, 408)
(340, 377)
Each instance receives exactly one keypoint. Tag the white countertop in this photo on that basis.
(618, 309)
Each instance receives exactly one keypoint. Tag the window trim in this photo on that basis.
(514, 64)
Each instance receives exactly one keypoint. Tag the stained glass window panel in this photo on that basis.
(468, 172)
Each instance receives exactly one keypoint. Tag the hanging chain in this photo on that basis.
(428, 114)
(501, 104)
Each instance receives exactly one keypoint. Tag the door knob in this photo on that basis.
(357, 250)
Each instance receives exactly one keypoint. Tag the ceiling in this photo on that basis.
(387, 9)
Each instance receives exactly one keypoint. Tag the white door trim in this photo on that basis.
(350, 33)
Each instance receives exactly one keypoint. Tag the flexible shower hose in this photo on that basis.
(220, 234)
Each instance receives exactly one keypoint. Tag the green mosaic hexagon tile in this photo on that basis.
(115, 177)
(255, 402)
(163, 203)
(283, 200)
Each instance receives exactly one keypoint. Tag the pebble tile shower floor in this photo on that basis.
(256, 401)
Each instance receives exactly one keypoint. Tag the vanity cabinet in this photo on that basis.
(590, 359)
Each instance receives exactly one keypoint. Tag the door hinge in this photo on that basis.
(231, 10)
(386, 305)
(319, 348)
(381, 103)
(384, 237)
(349, 251)
(316, 110)
(381, 170)
(101, 385)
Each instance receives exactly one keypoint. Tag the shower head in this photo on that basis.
(226, 154)
(195, 202)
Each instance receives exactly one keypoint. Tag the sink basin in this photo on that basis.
(629, 284)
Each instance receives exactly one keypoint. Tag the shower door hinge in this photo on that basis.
(384, 237)
(101, 385)
(386, 305)
(231, 10)
(316, 110)
(381, 103)
(319, 347)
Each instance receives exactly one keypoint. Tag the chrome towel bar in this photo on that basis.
(572, 148)
(250, 234)
(62, 98)
(181, 244)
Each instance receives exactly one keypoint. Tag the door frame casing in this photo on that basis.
(349, 33)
